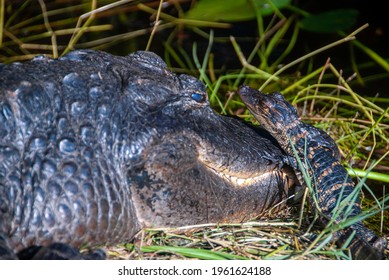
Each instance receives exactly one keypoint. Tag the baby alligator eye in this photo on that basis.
(198, 97)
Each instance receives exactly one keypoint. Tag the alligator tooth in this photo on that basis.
(240, 181)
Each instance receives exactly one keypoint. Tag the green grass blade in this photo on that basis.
(354, 172)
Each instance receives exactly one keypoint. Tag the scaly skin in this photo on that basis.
(320, 159)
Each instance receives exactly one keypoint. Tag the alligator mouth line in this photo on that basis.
(238, 178)
(245, 182)
(241, 181)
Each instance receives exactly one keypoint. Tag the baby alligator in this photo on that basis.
(319, 158)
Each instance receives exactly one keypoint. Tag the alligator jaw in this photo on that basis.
(246, 168)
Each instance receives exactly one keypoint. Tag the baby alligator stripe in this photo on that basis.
(319, 155)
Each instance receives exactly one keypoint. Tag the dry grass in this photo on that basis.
(277, 238)
(274, 239)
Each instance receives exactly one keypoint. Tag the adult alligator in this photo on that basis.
(95, 147)
(318, 157)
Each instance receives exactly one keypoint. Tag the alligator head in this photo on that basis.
(194, 165)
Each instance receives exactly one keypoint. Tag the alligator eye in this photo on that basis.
(198, 97)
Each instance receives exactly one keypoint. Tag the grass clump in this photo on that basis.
(276, 239)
